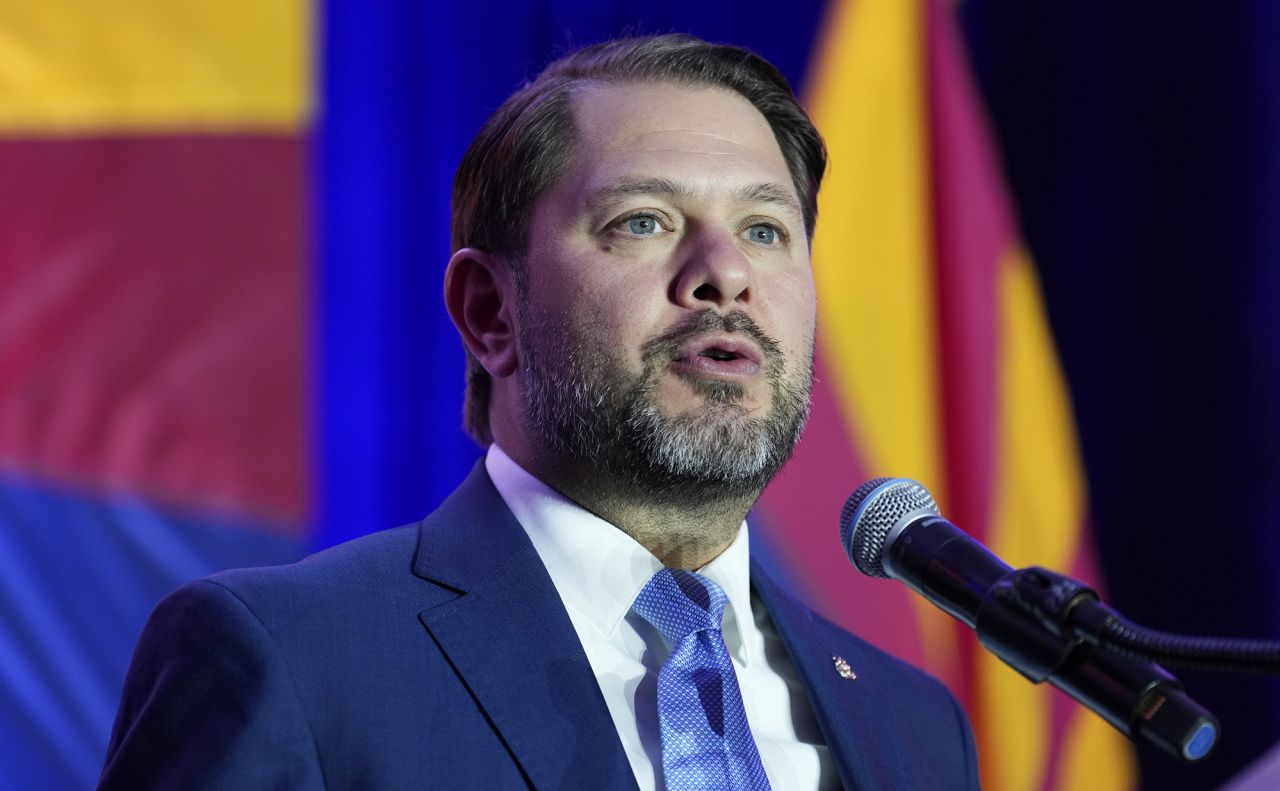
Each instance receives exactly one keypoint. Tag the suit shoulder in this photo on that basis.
(207, 688)
(362, 563)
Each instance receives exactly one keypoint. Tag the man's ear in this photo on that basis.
(480, 296)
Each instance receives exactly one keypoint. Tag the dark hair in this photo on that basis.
(523, 149)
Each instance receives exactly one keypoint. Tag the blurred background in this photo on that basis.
(1048, 263)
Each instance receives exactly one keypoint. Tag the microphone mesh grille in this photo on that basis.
(871, 513)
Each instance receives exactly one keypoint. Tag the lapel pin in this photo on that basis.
(843, 668)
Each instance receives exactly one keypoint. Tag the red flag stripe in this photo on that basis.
(151, 315)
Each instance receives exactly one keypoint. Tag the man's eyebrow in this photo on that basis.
(625, 189)
(765, 192)
(771, 193)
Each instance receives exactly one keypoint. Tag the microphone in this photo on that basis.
(891, 528)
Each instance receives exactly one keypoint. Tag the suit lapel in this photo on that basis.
(847, 710)
(502, 626)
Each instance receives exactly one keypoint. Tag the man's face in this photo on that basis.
(667, 319)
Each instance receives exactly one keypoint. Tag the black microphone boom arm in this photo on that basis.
(1140, 699)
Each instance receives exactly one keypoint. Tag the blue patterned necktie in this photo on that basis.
(706, 741)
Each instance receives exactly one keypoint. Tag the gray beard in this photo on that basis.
(592, 415)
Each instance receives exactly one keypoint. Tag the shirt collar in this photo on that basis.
(597, 569)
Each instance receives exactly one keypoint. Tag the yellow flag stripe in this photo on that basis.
(1011, 726)
(1037, 519)
(1095, 757)
(873, 251)
(89, 66)
(1040, 499)
(872, 255)
(1035, 459)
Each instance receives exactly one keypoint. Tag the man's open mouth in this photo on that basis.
(721, 354)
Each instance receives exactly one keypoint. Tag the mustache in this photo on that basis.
(663, 348)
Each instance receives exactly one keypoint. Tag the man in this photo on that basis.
(632, 284)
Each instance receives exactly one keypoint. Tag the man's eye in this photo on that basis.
(761, 233)
(642, 224)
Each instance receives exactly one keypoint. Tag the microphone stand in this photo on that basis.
(1065, 604)
(1052, 628)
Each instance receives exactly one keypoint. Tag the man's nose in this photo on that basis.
(714, 272)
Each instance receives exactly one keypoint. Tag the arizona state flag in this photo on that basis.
(935, 362)
(152, 311)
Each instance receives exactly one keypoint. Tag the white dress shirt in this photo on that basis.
(598, 570)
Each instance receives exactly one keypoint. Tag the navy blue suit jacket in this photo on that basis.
(439, 655)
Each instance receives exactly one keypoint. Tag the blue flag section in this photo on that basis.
(1142, 150)
(78, 575)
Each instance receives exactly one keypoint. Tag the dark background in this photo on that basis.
(1143, 150)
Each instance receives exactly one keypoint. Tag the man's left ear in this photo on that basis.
(479, 294)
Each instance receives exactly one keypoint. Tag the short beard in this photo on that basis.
(590, 414)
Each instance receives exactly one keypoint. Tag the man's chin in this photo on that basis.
(723, 427)
(716, 404)
(714, 444)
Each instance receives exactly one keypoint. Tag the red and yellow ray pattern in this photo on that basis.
(936, 363)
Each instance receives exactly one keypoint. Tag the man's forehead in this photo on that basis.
(608, 113)
(675, 140)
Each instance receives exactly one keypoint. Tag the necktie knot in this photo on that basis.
(679, 603)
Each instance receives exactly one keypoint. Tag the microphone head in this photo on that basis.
(872, 513)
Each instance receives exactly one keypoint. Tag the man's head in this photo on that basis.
(525, 146)
(637, 223)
